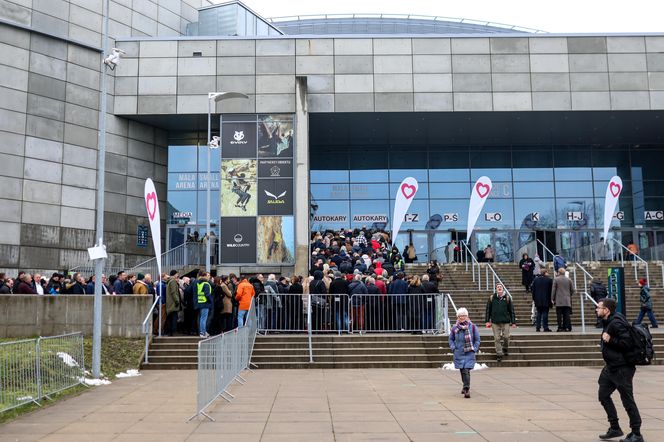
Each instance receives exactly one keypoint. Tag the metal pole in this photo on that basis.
(446, 313)
(101, 184)
(311, 351)
(583, 313)
(207, 191)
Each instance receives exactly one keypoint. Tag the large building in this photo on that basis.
(339, 110)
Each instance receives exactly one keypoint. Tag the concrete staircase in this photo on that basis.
(176, 353)
(426, 351)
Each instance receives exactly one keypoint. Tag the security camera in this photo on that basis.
(114, 59)
(214, 142)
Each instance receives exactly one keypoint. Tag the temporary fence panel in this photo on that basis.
(392, 313)
(281, 312)
(19, 368)
(36, 368)
(337, 313)
(61, 362)
(221, 359)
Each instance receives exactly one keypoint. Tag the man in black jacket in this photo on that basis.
(339, 287)
(541, 290)
(617, 374)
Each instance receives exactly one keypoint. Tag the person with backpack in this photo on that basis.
(559, 263)
(499, 317)
(646, 305)
(618, 373)
(598, 291)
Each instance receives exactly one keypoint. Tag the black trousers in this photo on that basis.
(542, 318)
(172, 323)
(465, 378)
(619, 378)
(563, 318)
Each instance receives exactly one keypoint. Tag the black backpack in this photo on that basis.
(641, 351)
(598, 291)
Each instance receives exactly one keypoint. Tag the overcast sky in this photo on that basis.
(565, 16)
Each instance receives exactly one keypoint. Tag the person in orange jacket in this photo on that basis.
(244, 294)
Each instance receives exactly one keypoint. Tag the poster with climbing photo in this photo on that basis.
(275, 241)
(238, 188)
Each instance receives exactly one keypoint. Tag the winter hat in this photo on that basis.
(643, 281)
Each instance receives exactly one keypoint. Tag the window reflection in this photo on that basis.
(576, 213)
(182, 159)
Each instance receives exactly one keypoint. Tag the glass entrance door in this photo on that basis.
(576, 245)
(501, 242)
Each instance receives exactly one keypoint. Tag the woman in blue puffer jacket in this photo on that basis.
(464, 342)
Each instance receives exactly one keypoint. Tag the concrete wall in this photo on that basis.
(49, 103)
(81, 20)
(26, 316)
(419, 74)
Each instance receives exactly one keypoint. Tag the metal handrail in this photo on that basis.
(584, 296)
(164, 255)
(586, 275)
(447, 299)
(546, 249)
(636, 269)
(147, 327)
(479, 269)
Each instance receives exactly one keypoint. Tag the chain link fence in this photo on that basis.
(34, 369)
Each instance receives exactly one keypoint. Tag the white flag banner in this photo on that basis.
(610, 201)
(405, 194)
(478, 196)
(152, 206)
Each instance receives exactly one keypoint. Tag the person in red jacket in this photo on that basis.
(244, 294)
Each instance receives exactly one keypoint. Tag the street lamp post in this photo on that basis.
(213, 144)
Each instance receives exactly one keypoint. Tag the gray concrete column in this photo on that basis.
(301, 171)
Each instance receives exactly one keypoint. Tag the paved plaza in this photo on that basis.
(508, 404)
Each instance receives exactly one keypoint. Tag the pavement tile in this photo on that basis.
(508, 404)
(367, 427)
(362, 437)
(95, 428)
(298, 437)
(520, 436)
(222, 427)
(314, 416)
(298, 427)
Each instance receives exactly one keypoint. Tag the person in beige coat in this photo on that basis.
(561, 297)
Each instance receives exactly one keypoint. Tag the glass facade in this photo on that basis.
(564, 186)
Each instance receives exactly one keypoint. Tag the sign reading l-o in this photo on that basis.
(493, 216)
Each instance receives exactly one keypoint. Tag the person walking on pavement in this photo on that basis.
(561, 296)
(542, 286)
(500, 317)
(617, 374)
(464, 341)
(646, 304)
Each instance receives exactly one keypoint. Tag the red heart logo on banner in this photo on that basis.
(151, 200)
(482, 189)
(615, 189)
(408, 191)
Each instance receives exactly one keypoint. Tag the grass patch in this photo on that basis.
(117, 355)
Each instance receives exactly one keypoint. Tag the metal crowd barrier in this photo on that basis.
(33, 369)
(221, 359)
(337, 313)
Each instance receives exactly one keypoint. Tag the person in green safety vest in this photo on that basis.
(203, 302)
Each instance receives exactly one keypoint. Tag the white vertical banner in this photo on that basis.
(478, 196)
(613, 190)
(152, 206)
(405, 194)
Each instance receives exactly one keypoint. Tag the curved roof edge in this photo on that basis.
(479, 25)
